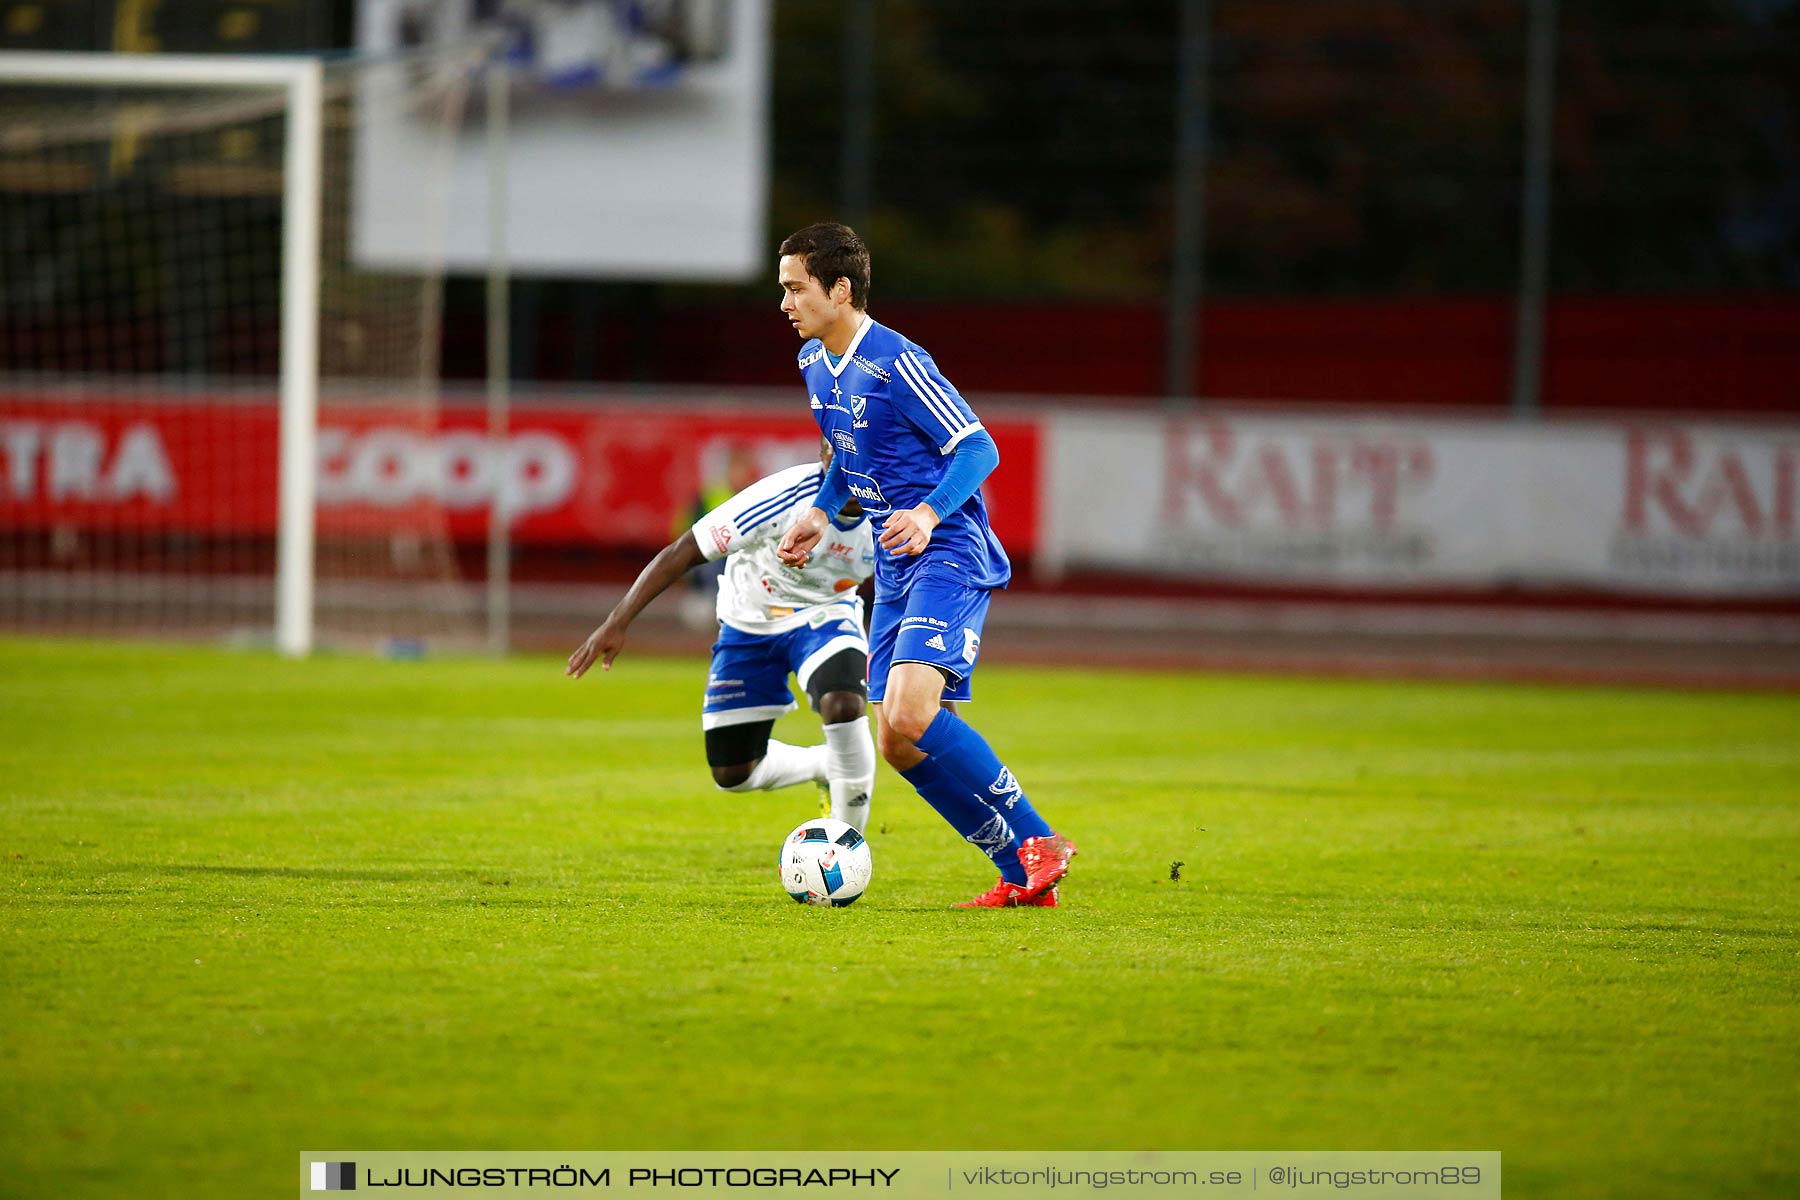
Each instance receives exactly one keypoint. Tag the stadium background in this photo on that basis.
(250, 905)
(1354, 178)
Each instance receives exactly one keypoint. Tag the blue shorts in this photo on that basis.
(748, 680)
(937, 622)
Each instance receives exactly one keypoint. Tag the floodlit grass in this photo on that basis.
(250, 907)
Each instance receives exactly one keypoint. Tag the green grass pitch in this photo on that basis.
(253, 907)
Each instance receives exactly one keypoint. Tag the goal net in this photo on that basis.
(219, 406)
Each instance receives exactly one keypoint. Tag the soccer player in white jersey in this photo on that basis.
(774, 620)
(909, 448)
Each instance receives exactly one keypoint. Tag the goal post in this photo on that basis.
(130, 226)
(303, 169)
(301, 81)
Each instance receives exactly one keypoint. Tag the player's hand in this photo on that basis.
(797, 543)
(603, 644)
(909, 530)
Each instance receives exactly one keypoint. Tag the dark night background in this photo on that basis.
(1361, 199)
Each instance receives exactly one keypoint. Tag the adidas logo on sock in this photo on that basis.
(936, 641)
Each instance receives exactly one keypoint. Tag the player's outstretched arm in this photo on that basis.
(798, 542)
(671, 563)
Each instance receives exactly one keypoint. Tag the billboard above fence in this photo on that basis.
(636, 141)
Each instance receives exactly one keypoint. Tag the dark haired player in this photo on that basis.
(910, 450)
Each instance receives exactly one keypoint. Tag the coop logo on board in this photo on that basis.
(390, 467)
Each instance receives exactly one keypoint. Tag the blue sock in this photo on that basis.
(980, 825)
(953, 742)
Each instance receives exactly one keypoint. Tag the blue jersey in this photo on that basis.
(892, 421)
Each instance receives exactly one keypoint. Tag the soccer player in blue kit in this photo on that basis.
(909, 448)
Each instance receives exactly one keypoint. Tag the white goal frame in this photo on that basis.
(301, 81)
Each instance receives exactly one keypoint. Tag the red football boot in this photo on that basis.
(1001, 895)
(1046, 860)
(1009, 895)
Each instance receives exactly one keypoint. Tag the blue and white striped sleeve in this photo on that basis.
(759, 511)
(925, 398)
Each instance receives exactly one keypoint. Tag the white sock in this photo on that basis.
(850, 765)
(783, 765)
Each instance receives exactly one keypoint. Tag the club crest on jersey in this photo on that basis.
(858, 406)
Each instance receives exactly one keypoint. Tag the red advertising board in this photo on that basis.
(612, 475)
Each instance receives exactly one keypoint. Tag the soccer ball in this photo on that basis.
(825, 862)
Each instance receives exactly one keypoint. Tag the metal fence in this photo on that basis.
(1175, 150)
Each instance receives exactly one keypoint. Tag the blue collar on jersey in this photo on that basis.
(835, 362)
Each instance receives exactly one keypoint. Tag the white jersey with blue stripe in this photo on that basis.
(758, 593)
(892, 420)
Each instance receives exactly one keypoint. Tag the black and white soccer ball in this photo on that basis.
(826, 862)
